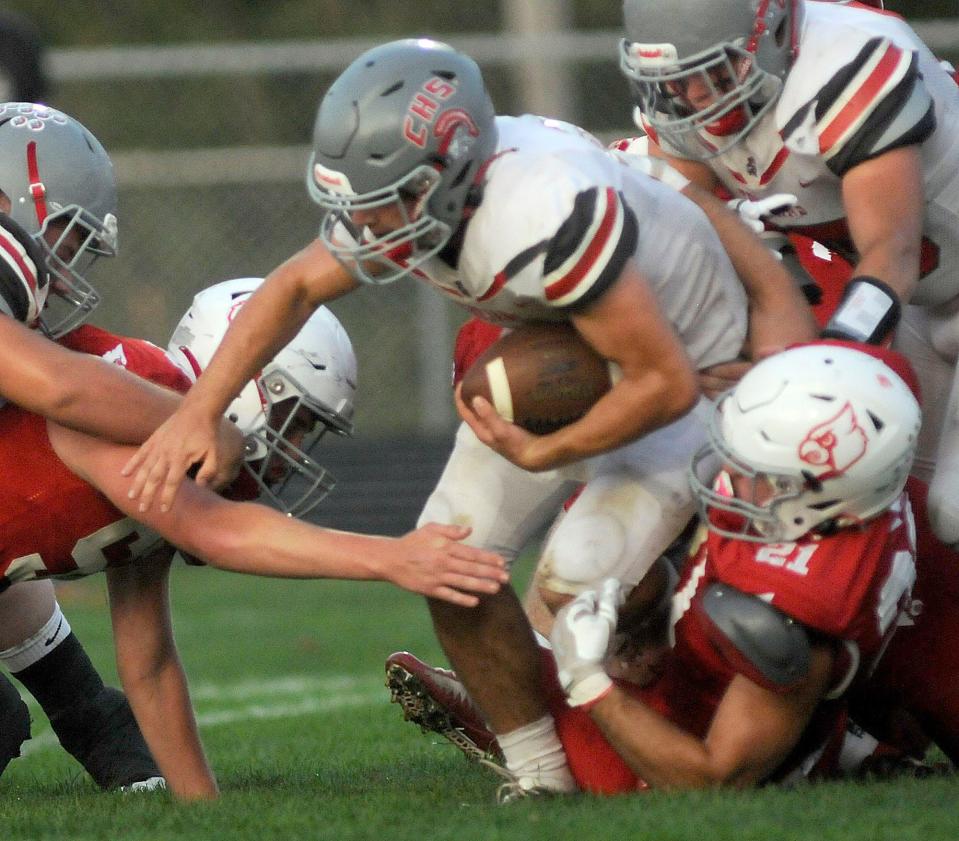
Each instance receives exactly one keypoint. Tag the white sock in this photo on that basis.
(857, 746)
(535, 756)
(54, 631)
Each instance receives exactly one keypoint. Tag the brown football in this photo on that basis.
(540, 376)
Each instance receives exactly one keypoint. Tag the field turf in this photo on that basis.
(287, 680)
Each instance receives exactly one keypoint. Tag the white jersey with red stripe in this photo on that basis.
(560, 216)
(863, 83)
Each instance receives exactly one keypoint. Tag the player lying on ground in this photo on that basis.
(68, 528)
(782, 607)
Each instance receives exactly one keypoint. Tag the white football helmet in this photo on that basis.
(739, 51)
(827, 429)
(312, 380)
(59, 177)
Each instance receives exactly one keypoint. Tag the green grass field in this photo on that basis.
(288, 684)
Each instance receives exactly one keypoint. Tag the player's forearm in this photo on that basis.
(885, 205)
(152, 675)
(266, 323)
(660, 753)
(253, 539)
(633, 408)
(768, 284)
(90, 404)
(78, 390)
(161, 703)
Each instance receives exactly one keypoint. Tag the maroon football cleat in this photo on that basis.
(435, 699)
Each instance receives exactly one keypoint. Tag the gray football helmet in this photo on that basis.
(738, 51)
(408, 124)
(60, 183)
(309, 386)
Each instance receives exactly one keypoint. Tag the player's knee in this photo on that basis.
(943, 512)
(14, 722)
(585, 552)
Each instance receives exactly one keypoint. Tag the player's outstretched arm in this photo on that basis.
(152, 676)
(273, 315)
(752, 732)
(252, 538)
(83, 391)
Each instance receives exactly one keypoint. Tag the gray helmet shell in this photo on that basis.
(408, 122)
(55, 172)
(752, 41)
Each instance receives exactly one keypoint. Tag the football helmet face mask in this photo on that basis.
(306, 391)
(703, 72)
(820, 435)
(399, 139)
(60, 183)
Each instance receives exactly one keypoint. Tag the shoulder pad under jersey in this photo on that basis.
(768, 642)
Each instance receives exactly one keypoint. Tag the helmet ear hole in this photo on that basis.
(782, 32)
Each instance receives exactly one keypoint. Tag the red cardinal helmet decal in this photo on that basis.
(836, 444)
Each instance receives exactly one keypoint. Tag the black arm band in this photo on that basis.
(868, 312)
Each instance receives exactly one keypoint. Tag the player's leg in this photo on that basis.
(491, 646)
(635, 504)
(93, 722)
(14, 722)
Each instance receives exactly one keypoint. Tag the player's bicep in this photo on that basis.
(755, 728)
(627, 326)
(884, 199)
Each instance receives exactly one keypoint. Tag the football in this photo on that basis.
(540, 376)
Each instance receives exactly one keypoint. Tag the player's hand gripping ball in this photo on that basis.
(540, 376)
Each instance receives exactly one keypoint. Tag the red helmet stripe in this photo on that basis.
(37, 190)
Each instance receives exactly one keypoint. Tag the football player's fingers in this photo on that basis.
(776, 203)
(169, 488)
(134, 462)
(146, 490)
(449, 594)
(210, 466)
(448, 530)
(471, 580)
(607, 606)
(483, 557)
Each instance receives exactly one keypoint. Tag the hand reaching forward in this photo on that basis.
(432, 561)
(581, 638)
(185, 438)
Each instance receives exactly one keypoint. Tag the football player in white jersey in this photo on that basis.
(845, 108)
(517, 219)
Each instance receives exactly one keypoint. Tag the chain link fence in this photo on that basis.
(210, 149)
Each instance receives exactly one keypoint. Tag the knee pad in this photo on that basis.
(943, 512)
(584, 554)
(14, 722)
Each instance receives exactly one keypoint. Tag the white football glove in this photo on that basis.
(582, 636)
(752, 212)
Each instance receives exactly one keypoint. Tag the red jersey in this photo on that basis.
(52, 523)
(852, 587)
